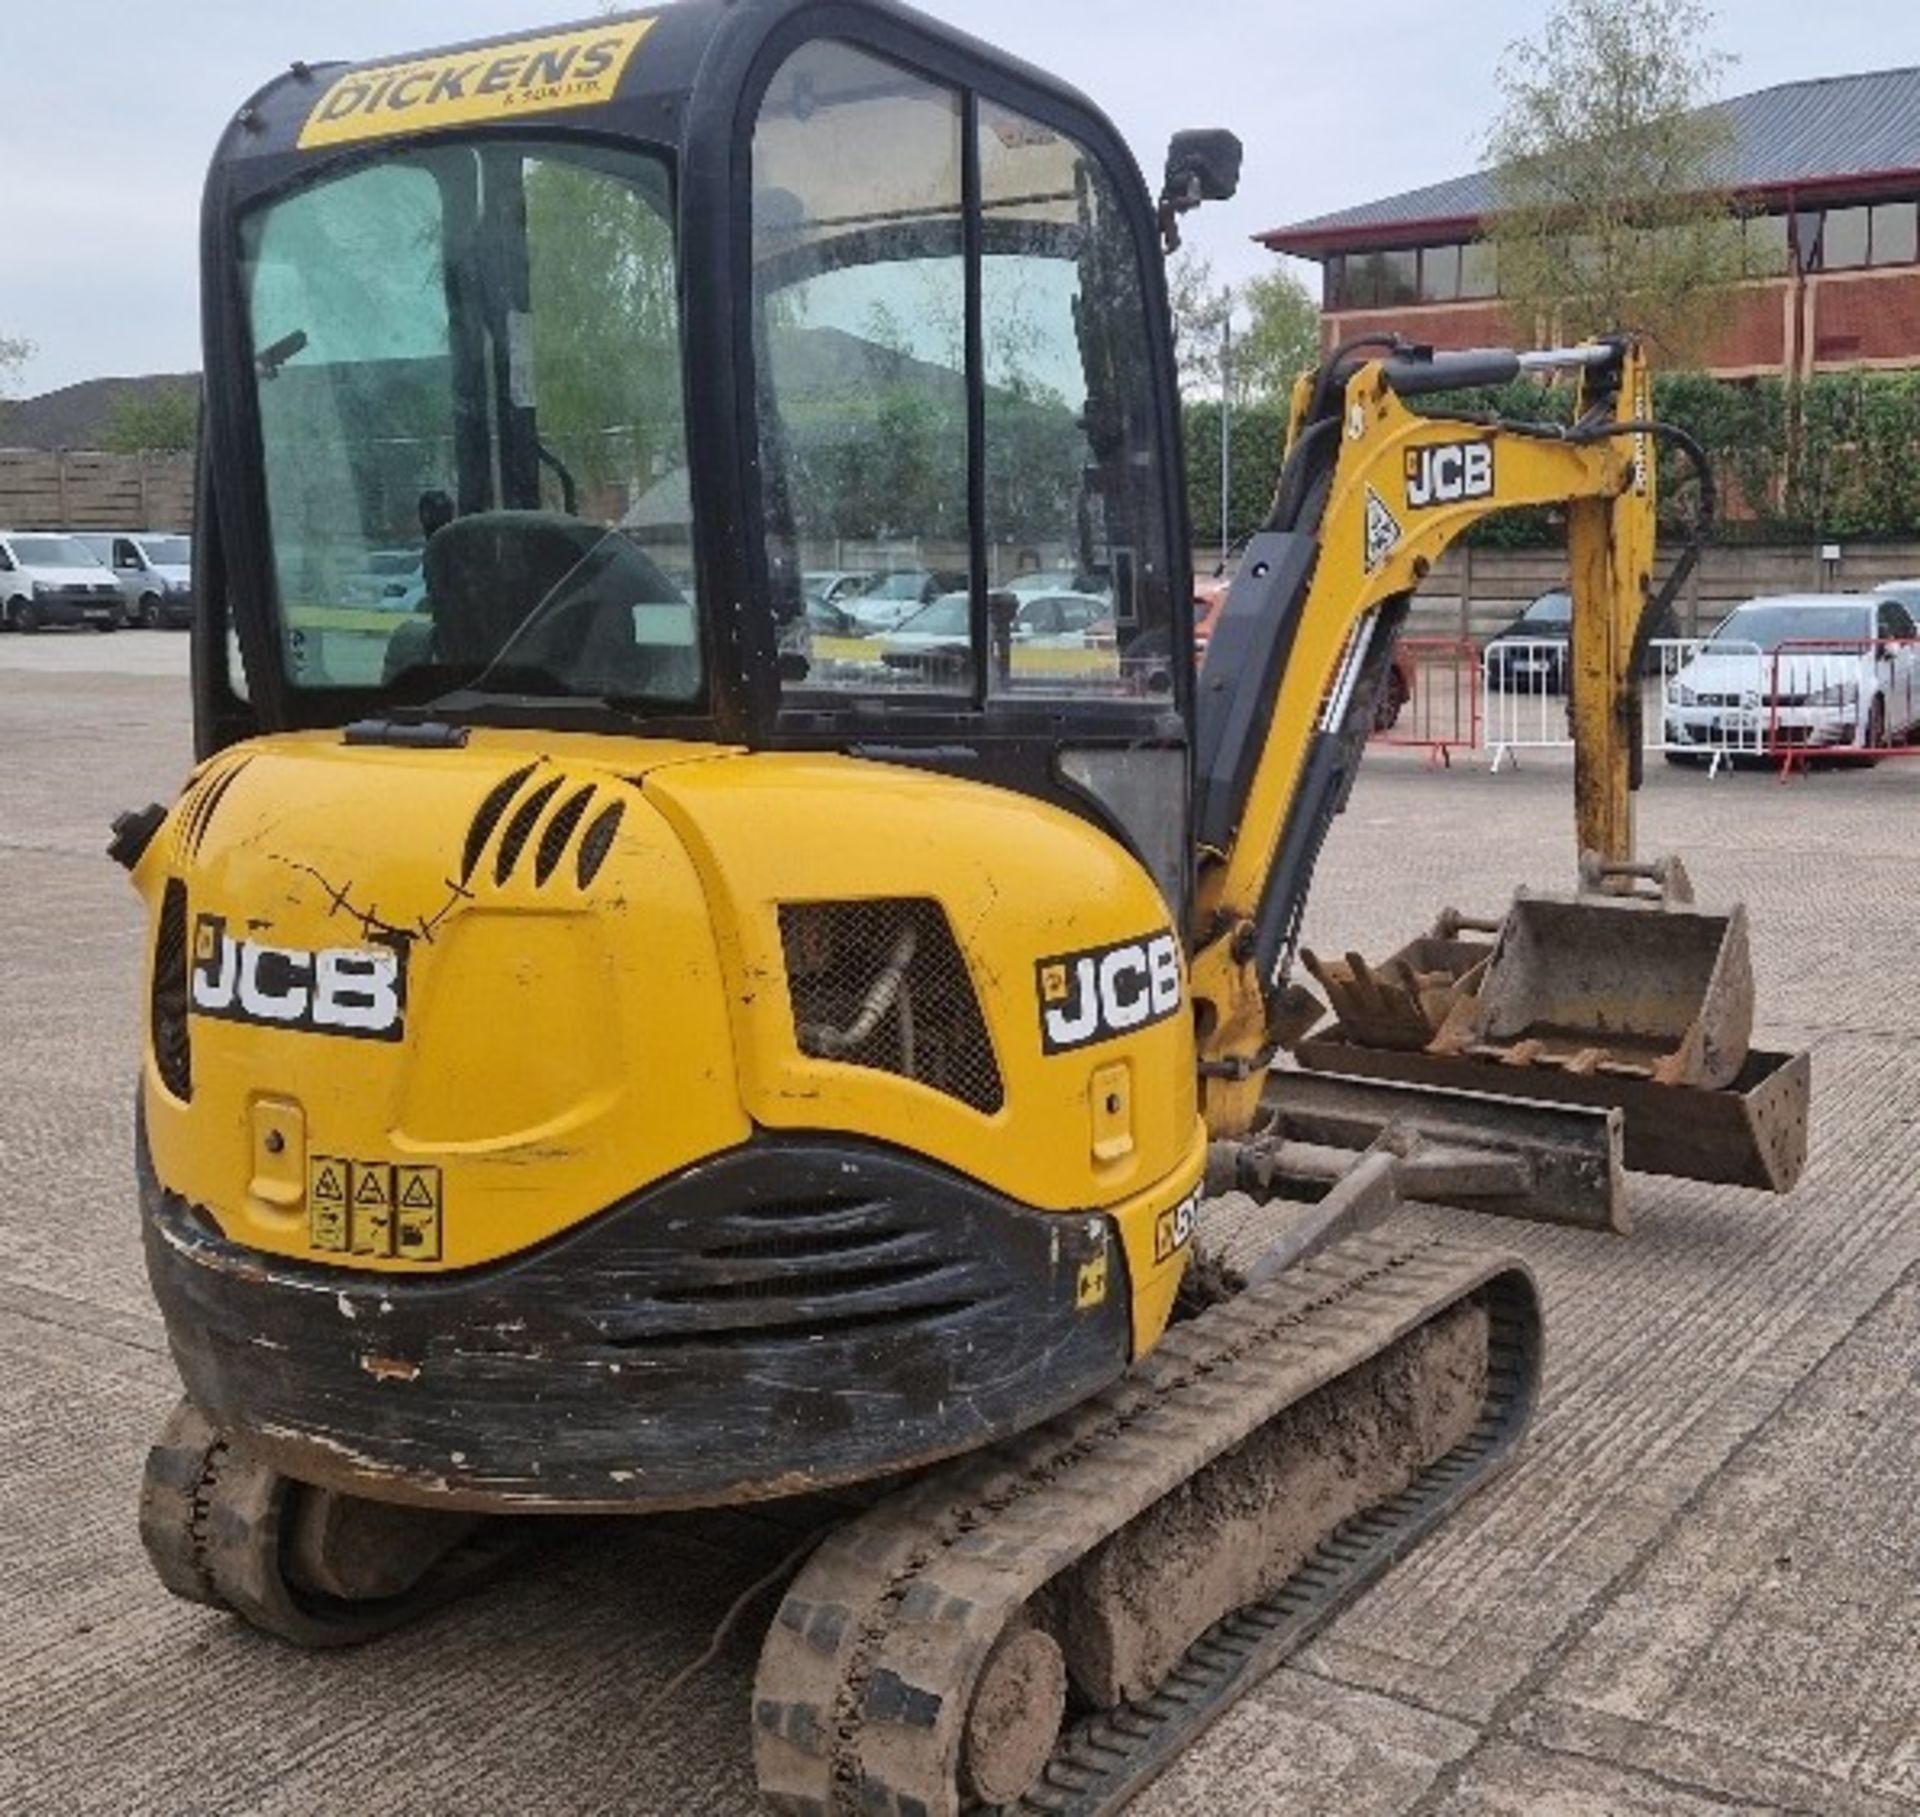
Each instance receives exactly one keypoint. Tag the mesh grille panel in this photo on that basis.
(883, 985)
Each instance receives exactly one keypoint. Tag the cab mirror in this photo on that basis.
(1202, 166)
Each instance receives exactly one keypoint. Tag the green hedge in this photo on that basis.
(1838, 456)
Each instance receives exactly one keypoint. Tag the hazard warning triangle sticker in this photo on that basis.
(417, 1195)
(1383, 530)
(370, 1187)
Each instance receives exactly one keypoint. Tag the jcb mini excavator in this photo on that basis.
(622, 1036)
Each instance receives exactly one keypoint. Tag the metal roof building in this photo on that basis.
(1828, 168)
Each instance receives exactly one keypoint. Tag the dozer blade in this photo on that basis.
(1614, 984)
(1043, 1626)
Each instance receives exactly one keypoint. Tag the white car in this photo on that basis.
(836, 586)
(1045, 621)
(392, 580)
(1800, 671)
(47, 579)
(894, 598)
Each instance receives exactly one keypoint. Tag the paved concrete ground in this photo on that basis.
(1700, 1589)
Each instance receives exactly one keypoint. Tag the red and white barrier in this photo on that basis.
(1431, 700)
(1842, 697)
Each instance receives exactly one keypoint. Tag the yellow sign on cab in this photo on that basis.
(495, 81)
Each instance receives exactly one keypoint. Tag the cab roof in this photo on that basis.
(634, 73)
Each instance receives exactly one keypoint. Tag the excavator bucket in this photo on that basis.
(1625, 996)
(1406, 1001)
(1630, 985)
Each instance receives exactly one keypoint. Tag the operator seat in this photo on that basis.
(486, 573)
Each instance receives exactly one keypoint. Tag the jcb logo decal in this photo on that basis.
(341, 990)
(1112, 990)
(1173, 1229)
(1449, 474)
(565, 69)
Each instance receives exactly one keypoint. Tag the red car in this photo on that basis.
(1210, 594)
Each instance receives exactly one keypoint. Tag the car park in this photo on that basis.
(1801, 672)
(49, 579)
(154, 569)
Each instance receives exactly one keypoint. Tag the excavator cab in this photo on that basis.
(609, 390)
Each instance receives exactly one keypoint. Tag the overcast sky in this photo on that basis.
(108, 112)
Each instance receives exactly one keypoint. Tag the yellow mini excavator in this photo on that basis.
(717, 946)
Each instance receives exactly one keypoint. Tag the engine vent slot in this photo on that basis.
(172, 1041)
(520, 828)
(883, 984)
(487, 817)
(560, 830)
(598, 842)
(203, 803)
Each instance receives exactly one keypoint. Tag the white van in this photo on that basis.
(49, 579)
(154, 569)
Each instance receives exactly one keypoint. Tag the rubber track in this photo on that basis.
(864, 1682)
(212, 1518)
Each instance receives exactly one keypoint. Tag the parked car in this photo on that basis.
(1833, 669)
(1209, 595)
(896, 597)
(154, 569)
(837, 586)
(1529, 654)
(826, 618)
(391, 580)
(1395, 691)
(48, 579)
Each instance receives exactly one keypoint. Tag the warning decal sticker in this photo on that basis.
(495, 81)
(1383, 530)
(374, 1208)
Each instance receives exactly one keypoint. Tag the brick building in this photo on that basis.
(1826, 172)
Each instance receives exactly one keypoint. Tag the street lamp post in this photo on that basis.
(1226, 425)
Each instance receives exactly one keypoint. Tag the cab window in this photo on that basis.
(959, 408)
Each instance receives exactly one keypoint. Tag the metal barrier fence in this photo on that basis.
(1431, 700)
(1856, 698)
(1708, 705)
(1699, 701)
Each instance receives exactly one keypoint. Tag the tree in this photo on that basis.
(163, 420)
(1281, 339)
(1610, 211)
(14, 354)
(1199, 308)
(1276, 332)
